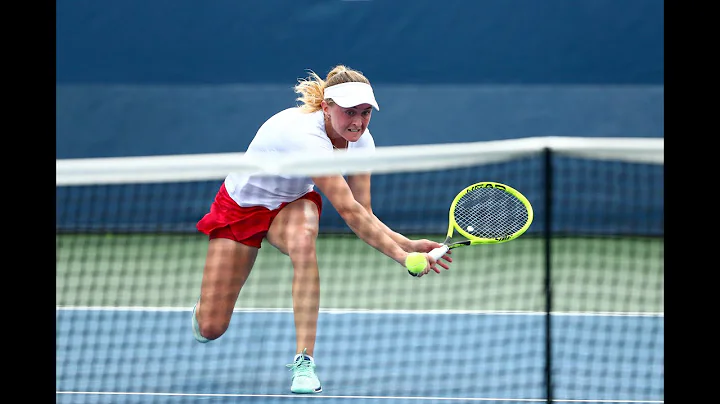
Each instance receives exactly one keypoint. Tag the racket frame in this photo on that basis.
(473, 240)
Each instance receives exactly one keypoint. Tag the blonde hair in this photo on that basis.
(312, 88)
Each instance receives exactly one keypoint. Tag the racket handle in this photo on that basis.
(439, 252)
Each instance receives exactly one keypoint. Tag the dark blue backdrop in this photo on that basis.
(148, 77)
(393, 41)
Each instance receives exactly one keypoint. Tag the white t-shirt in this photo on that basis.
(290, 130)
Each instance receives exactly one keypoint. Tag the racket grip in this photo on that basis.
(439, 252)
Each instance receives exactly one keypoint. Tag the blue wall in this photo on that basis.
(115, 121)
(179, 76)
(393, 41)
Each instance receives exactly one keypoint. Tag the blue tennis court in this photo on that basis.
(146, 355)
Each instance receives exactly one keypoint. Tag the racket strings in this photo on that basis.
(490, 213)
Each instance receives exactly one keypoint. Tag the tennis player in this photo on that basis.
(334, 114)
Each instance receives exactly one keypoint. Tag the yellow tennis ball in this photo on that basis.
(416, 262)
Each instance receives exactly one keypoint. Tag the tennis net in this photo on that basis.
(572, 310)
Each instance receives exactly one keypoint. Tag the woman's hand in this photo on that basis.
(425, 246)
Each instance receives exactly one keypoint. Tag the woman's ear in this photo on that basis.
(325, 108)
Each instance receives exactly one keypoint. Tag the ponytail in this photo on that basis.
(312, 88)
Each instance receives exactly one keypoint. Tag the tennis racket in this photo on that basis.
(486, 213)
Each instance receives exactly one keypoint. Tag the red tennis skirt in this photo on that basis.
(246, 225)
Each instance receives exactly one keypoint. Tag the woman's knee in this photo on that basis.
(212, 325)
(212, 331)
(302, 238)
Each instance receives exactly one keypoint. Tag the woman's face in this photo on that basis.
(348, 123)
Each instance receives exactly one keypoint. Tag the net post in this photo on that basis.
(547, 236)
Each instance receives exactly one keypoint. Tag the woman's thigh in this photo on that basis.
(227, 267)
(295, 227)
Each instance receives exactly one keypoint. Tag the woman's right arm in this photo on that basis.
(338, 192)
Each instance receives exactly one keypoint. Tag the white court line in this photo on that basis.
(321, 396)
(363, 311)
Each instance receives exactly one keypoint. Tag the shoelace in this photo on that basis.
(302, 367)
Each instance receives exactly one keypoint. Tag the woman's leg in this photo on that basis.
(227, 267)
(294, 232)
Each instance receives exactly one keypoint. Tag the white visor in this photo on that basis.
(348, 95)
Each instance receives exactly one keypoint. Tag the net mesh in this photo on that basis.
(571, 310)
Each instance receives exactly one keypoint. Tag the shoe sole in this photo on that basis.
(307, 392)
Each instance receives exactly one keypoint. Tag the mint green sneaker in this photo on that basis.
(196, 328)
(304, 379)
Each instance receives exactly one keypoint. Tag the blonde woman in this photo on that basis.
(334, 113)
